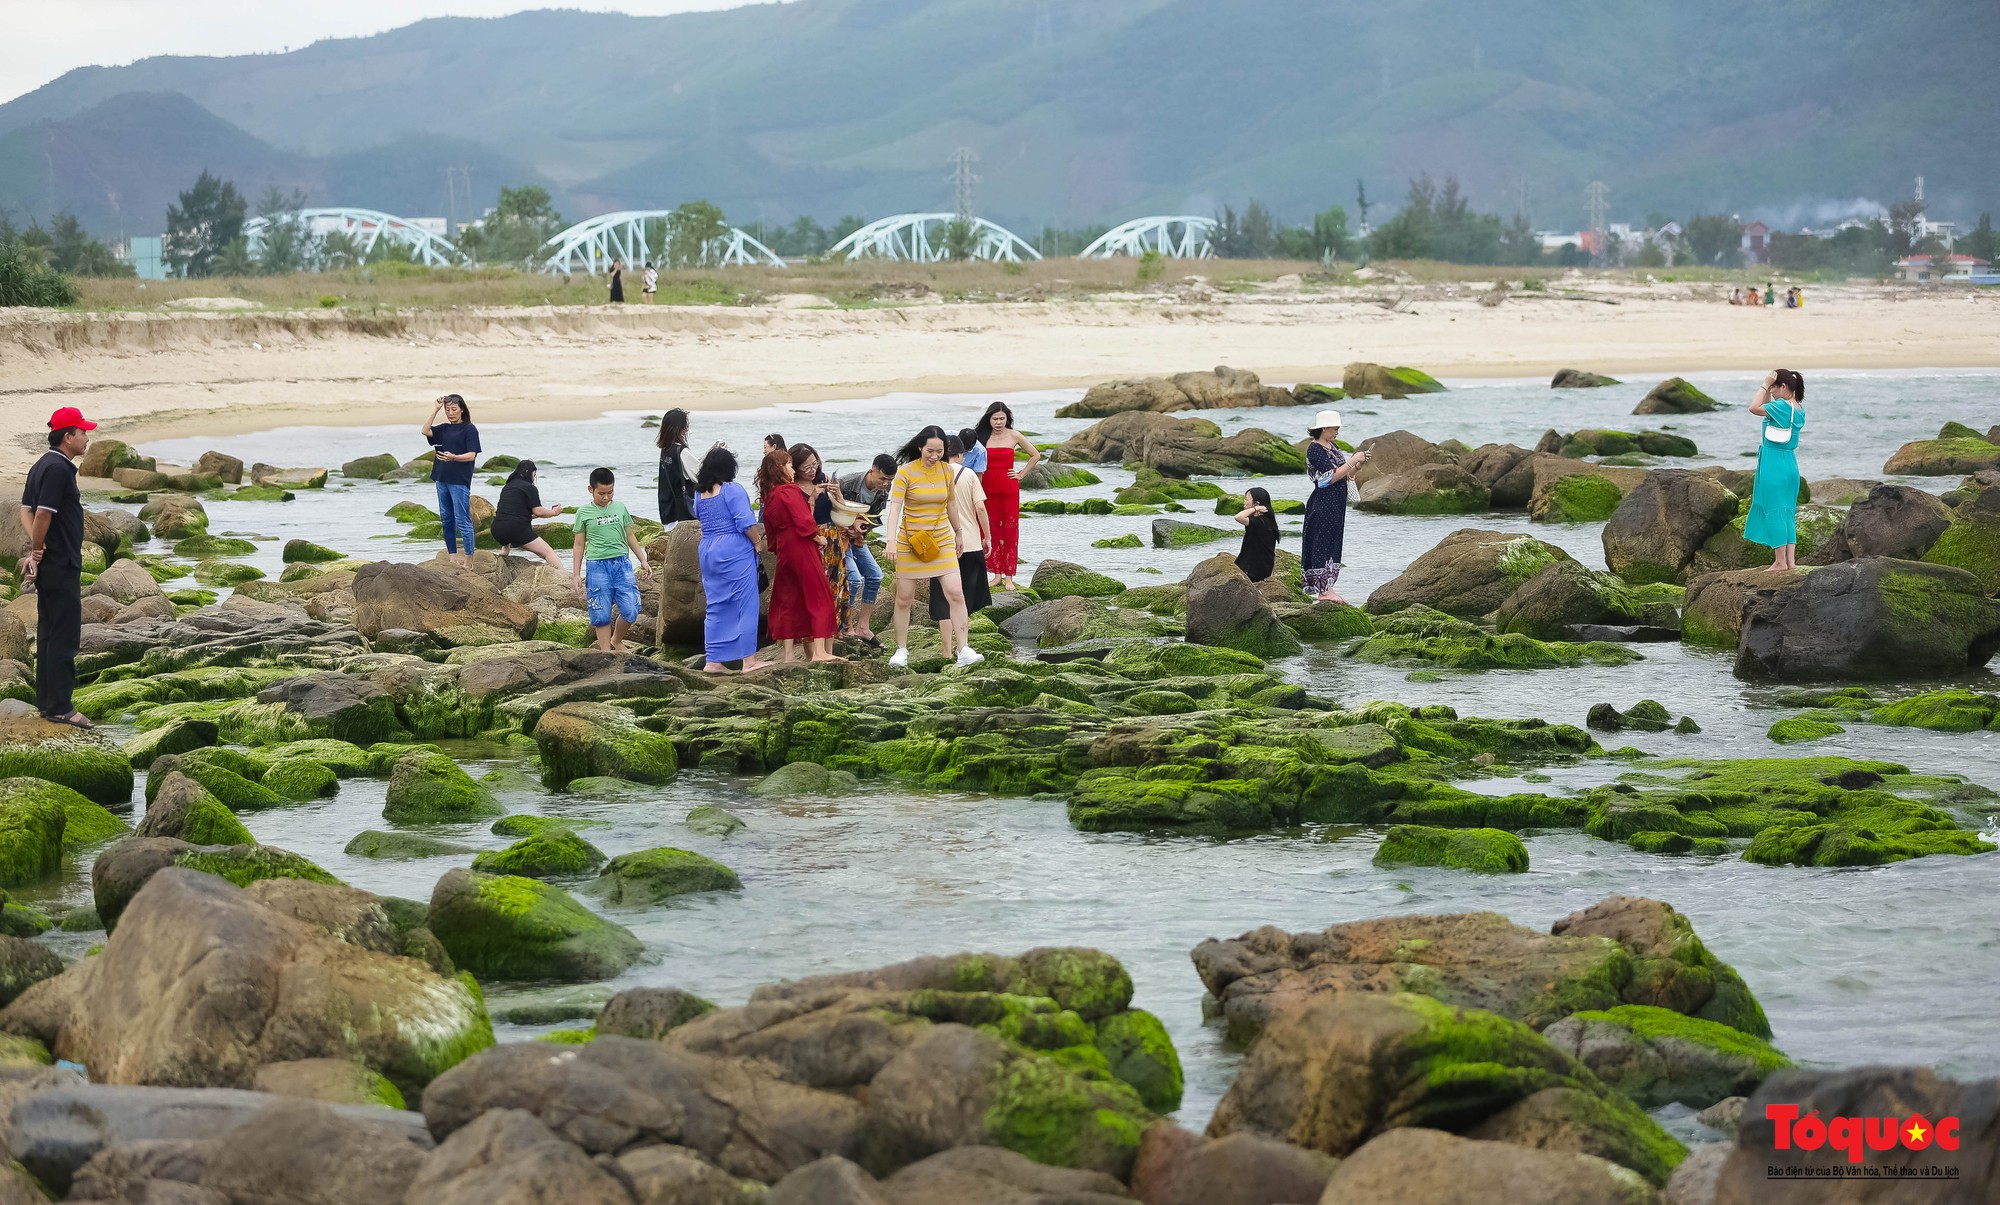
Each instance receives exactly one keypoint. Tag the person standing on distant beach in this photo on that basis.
(456, 444)
(1774, 496)
(1770, 294)
(1002, 481)
(520, 502)
(618, 282)
(650, 283)
(52, 516)
(1326, 508)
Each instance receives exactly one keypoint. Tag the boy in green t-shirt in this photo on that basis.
(602, 570)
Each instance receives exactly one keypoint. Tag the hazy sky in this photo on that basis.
(48, 37)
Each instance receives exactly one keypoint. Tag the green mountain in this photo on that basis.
(1095, 110)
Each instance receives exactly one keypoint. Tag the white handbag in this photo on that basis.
(1780, 436)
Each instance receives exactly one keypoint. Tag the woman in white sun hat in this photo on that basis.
(1328, 468)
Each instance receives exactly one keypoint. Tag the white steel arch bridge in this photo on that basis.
(1181, 237)
(366, 227)
(591, 245)
(921, 237)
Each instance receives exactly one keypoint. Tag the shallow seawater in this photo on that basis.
(1886, 964)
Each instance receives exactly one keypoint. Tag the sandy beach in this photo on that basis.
(154, 374)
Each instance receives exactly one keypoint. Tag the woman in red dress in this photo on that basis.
(801, 599)
(1002, 481)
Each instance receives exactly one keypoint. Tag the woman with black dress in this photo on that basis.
(678, 469)
(1326, 508)
(618, 281)
(520, 502)
(1259, 555)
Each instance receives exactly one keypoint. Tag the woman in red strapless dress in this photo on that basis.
(1010, 456)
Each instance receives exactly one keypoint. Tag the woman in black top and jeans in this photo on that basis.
(678, 469)
(520, 501)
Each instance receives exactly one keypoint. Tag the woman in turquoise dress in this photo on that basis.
(1774, 498)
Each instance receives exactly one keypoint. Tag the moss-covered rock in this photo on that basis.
(300, 779)
(1487, 850)
(803, 778)
(1418, 635)
(371, 468)
(1952, 710)
(223, 773)
(427, 787)
(1128, 540)
(552, 854)
(1657, 1056)
(374, 843)
(31, 832)
(1363, 379)
(1174, 533)
(125, 866)
(89, 765)
(650, 875)
(711, 821)
(1059, 579)
(305, 551)
(1136, 1047)
(511, 927)
(344, 758)
(205, 546)
(583, 740)
(1577, 498)
(179, 736)
(184, 809)
(1675, 396)
(1956, 451)
(226, 573)
(84, 822)
(1798, 728)
(1324, 620)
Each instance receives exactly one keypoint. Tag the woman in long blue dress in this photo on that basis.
(728, 564)
(1326, 507)
(1774, 498)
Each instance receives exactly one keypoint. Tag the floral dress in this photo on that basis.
(1326, 518)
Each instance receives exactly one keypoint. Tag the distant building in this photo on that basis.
(1957, 269)
(1757, 243)
(143, 253)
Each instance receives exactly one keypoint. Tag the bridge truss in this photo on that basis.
(1183, 237)
(920, 237)
(591, 245)
(366, 227)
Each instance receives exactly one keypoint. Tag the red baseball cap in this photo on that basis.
(70, 416)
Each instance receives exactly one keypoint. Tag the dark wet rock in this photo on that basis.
(1178, 1167)
(1656, 1056)
(509, 1157)
(1957, 450)
(1468, 574)
(330, 1081)
(456, 605)
(1660, 526)
(828, 1181)
(1728, 550)
(1340, 1070)
(1363, 379)
(797, 779)
(617, 1093)
(1675, 396)
(1877, 618)
(1717, 603)
(1225, 609)
(1223, 388)
(1841, 491)
(648, 876)
(675, 1175)
(650, 1012)
(1179, 447)
(1419, 1166)
(1643, 716)
(1431, 489)
(202, 983)
(988, 1175)
(125, 582)
(511, 927)
(1566, 595)
(1578, 378)
(1639, 952)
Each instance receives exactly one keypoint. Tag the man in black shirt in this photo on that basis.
(52, 513)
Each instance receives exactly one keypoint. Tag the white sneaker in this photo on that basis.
(900, 658)
(967, 655)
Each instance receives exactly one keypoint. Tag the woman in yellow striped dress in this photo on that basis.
(919, 506)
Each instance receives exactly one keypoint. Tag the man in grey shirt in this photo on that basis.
(869, 488)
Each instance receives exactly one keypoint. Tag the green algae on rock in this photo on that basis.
(582, 740)
(1059, 579)
(374, 843)
(1418, 635)
(1128, 540)
(89, 765)
(1486, 850)
(1797, 729)
(511, 927)
(1658, 1057)
(426, 787)
(553, 854)
(84, 822)
(31, 832)
(651, 875)
(1579, 498)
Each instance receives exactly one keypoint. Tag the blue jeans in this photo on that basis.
(864, 576)
(455, 508)
(607, 582)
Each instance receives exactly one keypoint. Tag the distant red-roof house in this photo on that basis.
(1918, 269)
